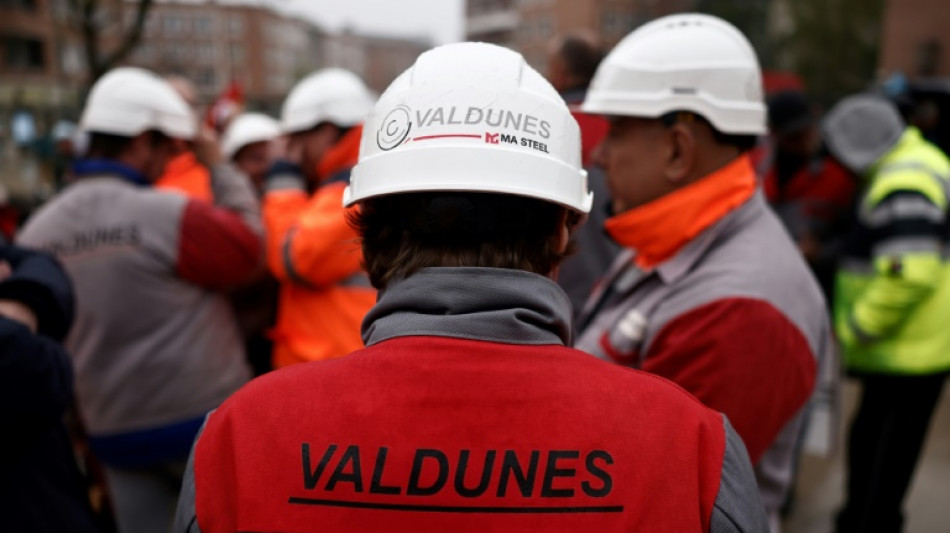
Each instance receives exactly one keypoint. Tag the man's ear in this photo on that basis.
(681, 157)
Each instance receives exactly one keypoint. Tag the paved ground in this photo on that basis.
(821, 484)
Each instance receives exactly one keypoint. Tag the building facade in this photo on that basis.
(531, 26)
(40, 58)
(213, 44)
(376, 59)
(915, 39)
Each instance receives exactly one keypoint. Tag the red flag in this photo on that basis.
(226, 106)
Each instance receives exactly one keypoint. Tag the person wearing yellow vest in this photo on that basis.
(709, 291)
(311, 249)
(892, 302)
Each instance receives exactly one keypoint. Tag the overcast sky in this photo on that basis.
(440, 21)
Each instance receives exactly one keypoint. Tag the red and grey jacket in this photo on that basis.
(470, 414)
(155, 344)
(712, 294)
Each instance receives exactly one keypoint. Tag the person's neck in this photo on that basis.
(130, 162)
(711, 161)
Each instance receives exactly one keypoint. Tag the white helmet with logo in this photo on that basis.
(471, 117)
(687, 62)
(861, 129)
(330, 95)
(128, 101)
(245, 129)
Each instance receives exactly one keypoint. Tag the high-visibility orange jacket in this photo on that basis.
(186, 175)
(315, 254)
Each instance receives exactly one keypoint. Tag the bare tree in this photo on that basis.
(96, 17)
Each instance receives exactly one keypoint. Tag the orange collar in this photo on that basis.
(344, 154)
(659, 229)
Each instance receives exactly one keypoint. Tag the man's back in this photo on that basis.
(141, 330)
(440, 431)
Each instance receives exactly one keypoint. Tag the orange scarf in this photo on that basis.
(659, 229)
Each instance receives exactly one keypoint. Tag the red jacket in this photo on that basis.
(441, 433)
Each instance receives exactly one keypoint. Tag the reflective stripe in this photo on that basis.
(914, 165)
(862, 336)
(905, 245)
(903, 208)
(289, 263)
(285, 183)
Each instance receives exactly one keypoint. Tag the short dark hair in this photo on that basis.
(110, 146)
(107, 145)
(404, 233)
(580, 57)
(743, 142)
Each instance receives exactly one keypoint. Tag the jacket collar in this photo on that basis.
(87, 167)
(488, 304)
(662, 228)
(678, 265)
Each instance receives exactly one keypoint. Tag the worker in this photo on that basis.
(155, 345)
(810, 191)
(184, 173)
(710, 292)
(248, 142)
(572, 63)
(891, 304)
(467, 411)
(311, 249)
(41, 487)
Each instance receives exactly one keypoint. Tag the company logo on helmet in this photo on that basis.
(394, 129)
(396, 126)
(495, 118)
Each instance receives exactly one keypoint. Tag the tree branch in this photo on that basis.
(131, 38)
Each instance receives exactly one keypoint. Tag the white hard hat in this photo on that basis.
(860, 129)
(471, 117)
(687, 62)
(245, 129)
(330, 95)
(128, 101)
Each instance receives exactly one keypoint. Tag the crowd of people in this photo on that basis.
(447, 286)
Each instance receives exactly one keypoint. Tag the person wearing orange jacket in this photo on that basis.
(311, 248)
(184, 174)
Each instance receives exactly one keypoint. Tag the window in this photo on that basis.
(236, 25)
(151, 24)
(205, 78)
(204, 25)
(545, 27)
(177, 53)
(173, 25)
(615, 23)
(23, 53)
(145, 53)
(237, 53)
(25, 5)
(928, 58)
(71, 59)
(205, 52)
